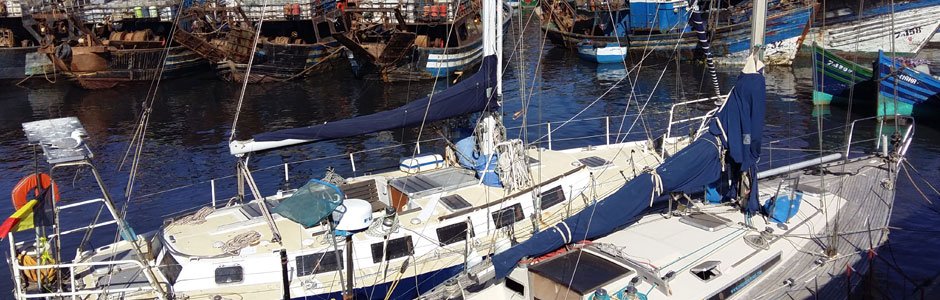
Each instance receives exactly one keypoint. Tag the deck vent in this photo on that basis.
(594, 162)
(455, 202)
(706, 271)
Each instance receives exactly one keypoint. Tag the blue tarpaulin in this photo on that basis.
(467, 96)
(689, 170)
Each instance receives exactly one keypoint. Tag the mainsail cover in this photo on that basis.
(688, 170)
(470, 95)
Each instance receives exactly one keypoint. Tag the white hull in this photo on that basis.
(909, 32)
(781, 53)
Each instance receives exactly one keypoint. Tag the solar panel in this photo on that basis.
(455, 202)
(593, 162)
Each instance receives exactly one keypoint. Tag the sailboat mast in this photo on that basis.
(758, 27)
(492, 45)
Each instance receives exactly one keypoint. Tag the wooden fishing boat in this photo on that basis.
(18, 51)
(837, 79)
(904, 90)
(900, 87)
(285, 49)
(902, 29)
(129, 50)
(567, 24)
(423, 42)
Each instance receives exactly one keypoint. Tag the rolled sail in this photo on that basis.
(473, 94)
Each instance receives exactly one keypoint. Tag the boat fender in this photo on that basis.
(421, 163)
(63, 51)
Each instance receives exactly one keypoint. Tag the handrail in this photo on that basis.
(23, 294)
(905, 140)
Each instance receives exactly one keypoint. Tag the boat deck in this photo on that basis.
(669, 254)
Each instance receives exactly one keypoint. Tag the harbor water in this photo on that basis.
(186, 145)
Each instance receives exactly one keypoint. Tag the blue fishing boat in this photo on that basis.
(837, 79)
(903, 90)
(664, 31)
(602, 53)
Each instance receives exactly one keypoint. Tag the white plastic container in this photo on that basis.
(421, 163)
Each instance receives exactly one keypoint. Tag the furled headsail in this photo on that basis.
(736, 128)
(474, 94)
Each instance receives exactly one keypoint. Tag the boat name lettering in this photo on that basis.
(908, 79)
(839, 66)
(746, 280)
(908, 32)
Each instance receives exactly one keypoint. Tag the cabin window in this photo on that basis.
(453, 233)
(233, 274)
(318, 263)
(507, 216)
(514, 286)
(551, 197)
(399, 247)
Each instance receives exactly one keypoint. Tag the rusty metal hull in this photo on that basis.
(121, 66)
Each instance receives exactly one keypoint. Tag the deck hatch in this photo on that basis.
(593, 162)
(453, 233)
(318, 263)
(444, 180)
(507, 216)
(551, 197)
(455, 202)
(399, 247)
(585, 271)
(704, 221)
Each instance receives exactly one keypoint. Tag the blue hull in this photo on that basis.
(903, 90)
(408, 288)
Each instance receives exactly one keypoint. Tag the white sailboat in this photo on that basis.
(667, 235)
(387, 235)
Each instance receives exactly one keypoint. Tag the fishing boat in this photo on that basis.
(602, 53)
(389, 234)
(837, 79)
(286, 48)
(709, 223)
(417, 43)
(901, 28)
(18, 57)
(665, 27)
(902, 88)
(120, 51)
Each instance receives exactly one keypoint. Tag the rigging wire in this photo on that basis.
(251, 59)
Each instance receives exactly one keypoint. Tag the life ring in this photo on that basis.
(25, 190)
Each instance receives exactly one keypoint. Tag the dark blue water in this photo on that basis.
(186, 143)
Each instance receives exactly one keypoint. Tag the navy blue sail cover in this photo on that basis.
(468, 96)
(688, 171)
